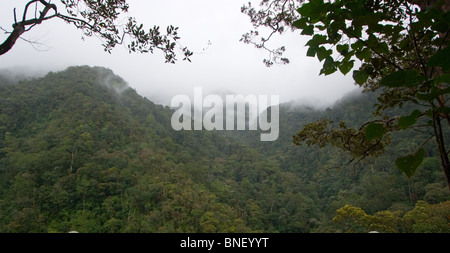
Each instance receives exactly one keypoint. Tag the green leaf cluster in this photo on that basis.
(403, 51)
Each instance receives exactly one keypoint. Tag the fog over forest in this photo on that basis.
(212, 30)
(190, 126)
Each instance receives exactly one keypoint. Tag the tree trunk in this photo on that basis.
(19, 29)
(441, 146)
(445, 161)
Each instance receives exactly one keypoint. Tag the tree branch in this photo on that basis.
(12, 38)
(21, 27)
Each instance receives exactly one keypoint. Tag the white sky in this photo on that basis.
(226, 66)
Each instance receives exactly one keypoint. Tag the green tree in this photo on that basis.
(402, 51)
(426, 218)
(351, 219)
(99, 18)
(85, 221)
(384, 221)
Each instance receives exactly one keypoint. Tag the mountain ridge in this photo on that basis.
(76, 154)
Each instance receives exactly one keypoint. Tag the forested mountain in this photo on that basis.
(375, 184)
(80, 150)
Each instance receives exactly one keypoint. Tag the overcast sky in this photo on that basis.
(226, 65)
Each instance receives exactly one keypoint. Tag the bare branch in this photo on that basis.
(21, 27)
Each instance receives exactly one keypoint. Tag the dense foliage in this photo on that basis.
(80, 150)
(403, 50)
(397, 48)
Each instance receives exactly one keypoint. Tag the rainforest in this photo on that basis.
(82, 151)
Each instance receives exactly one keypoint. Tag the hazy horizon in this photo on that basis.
(210, 29)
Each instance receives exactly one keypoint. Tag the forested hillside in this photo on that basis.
(80, 150)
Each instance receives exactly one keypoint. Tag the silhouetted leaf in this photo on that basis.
(346, 66)
(409, 164)
(360, 77)
(375, 130)
(441, 58)
(400, 78)
(407, 121)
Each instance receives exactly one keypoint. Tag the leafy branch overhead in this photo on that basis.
(277, 16)
(401, 47)
(397, 48)
(361, 143)
(100, 19)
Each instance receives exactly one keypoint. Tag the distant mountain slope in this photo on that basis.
(80, 150)
(374, 184)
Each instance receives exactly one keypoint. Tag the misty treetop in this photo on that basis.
(80, 150)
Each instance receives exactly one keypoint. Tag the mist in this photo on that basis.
(210, 29)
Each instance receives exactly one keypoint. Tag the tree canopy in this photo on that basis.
(80, 150)
(99, 18)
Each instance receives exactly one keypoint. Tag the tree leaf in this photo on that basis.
(313, 9)
(311, 51)
(317, 40)
(360, 77)
(444, 78)
(441, 58)
(329, 66)
(300, 24)
(305, 10)
(400, 78)
(441, 27)
(308, 30)
(346, 66)
(323, 53)
(342, 49)
(364, 55)
(409, 164)
(407, 121)
(375, 130)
